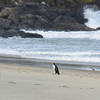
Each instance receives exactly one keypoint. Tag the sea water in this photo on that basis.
(80, 46)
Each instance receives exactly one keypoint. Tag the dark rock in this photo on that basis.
(97, 2)
(78, 14)
(42, 17)
(71, 27)
(9, 17)
(64, 19)
(12, 32)
(4, 23)
(68, 23)
(33, 21)
(31, 5)
(98, 28)
(29, 35)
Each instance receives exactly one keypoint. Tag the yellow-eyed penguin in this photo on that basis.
(55, 69)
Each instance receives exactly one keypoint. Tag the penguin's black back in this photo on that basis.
(56, 69)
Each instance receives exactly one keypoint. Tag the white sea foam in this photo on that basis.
(76, 59)
(71, 34)
(93, 16)
(50, 53)
(60, 56)
(9, 52)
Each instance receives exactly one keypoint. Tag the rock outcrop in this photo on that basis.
(12, 32)
(40, 16)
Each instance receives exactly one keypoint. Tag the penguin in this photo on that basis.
(55, 69)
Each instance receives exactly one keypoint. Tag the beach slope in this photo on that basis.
(19, 82)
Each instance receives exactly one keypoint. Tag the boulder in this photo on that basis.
(9, 17)
(33, 21)
(98, 28)
(32, 5)
(68, 23)
(5, 12)
(4, 23)
(29, 35)
(97, 2)
(64, 19)
(12, 32)
(71, 27)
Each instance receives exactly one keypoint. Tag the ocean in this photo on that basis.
(78, 46)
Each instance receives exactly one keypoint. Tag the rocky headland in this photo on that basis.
(27, 14)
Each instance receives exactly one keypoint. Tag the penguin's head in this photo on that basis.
(52, 63)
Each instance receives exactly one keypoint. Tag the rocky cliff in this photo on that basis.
(19, 14)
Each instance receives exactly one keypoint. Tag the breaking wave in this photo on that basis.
(93, 16)
(71, 34)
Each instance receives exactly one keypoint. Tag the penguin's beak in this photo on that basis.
(51, 63)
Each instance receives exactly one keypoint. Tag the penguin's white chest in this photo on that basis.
(54, 68)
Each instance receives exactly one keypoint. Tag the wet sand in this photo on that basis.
(19, 81)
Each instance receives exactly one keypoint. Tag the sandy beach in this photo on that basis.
(22, 82)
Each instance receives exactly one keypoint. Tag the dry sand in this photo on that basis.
(19, 82)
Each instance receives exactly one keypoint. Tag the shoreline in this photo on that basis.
(42, 63)
(23, 82)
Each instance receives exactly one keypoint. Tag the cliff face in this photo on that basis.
(97, 2)
(64, 15)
